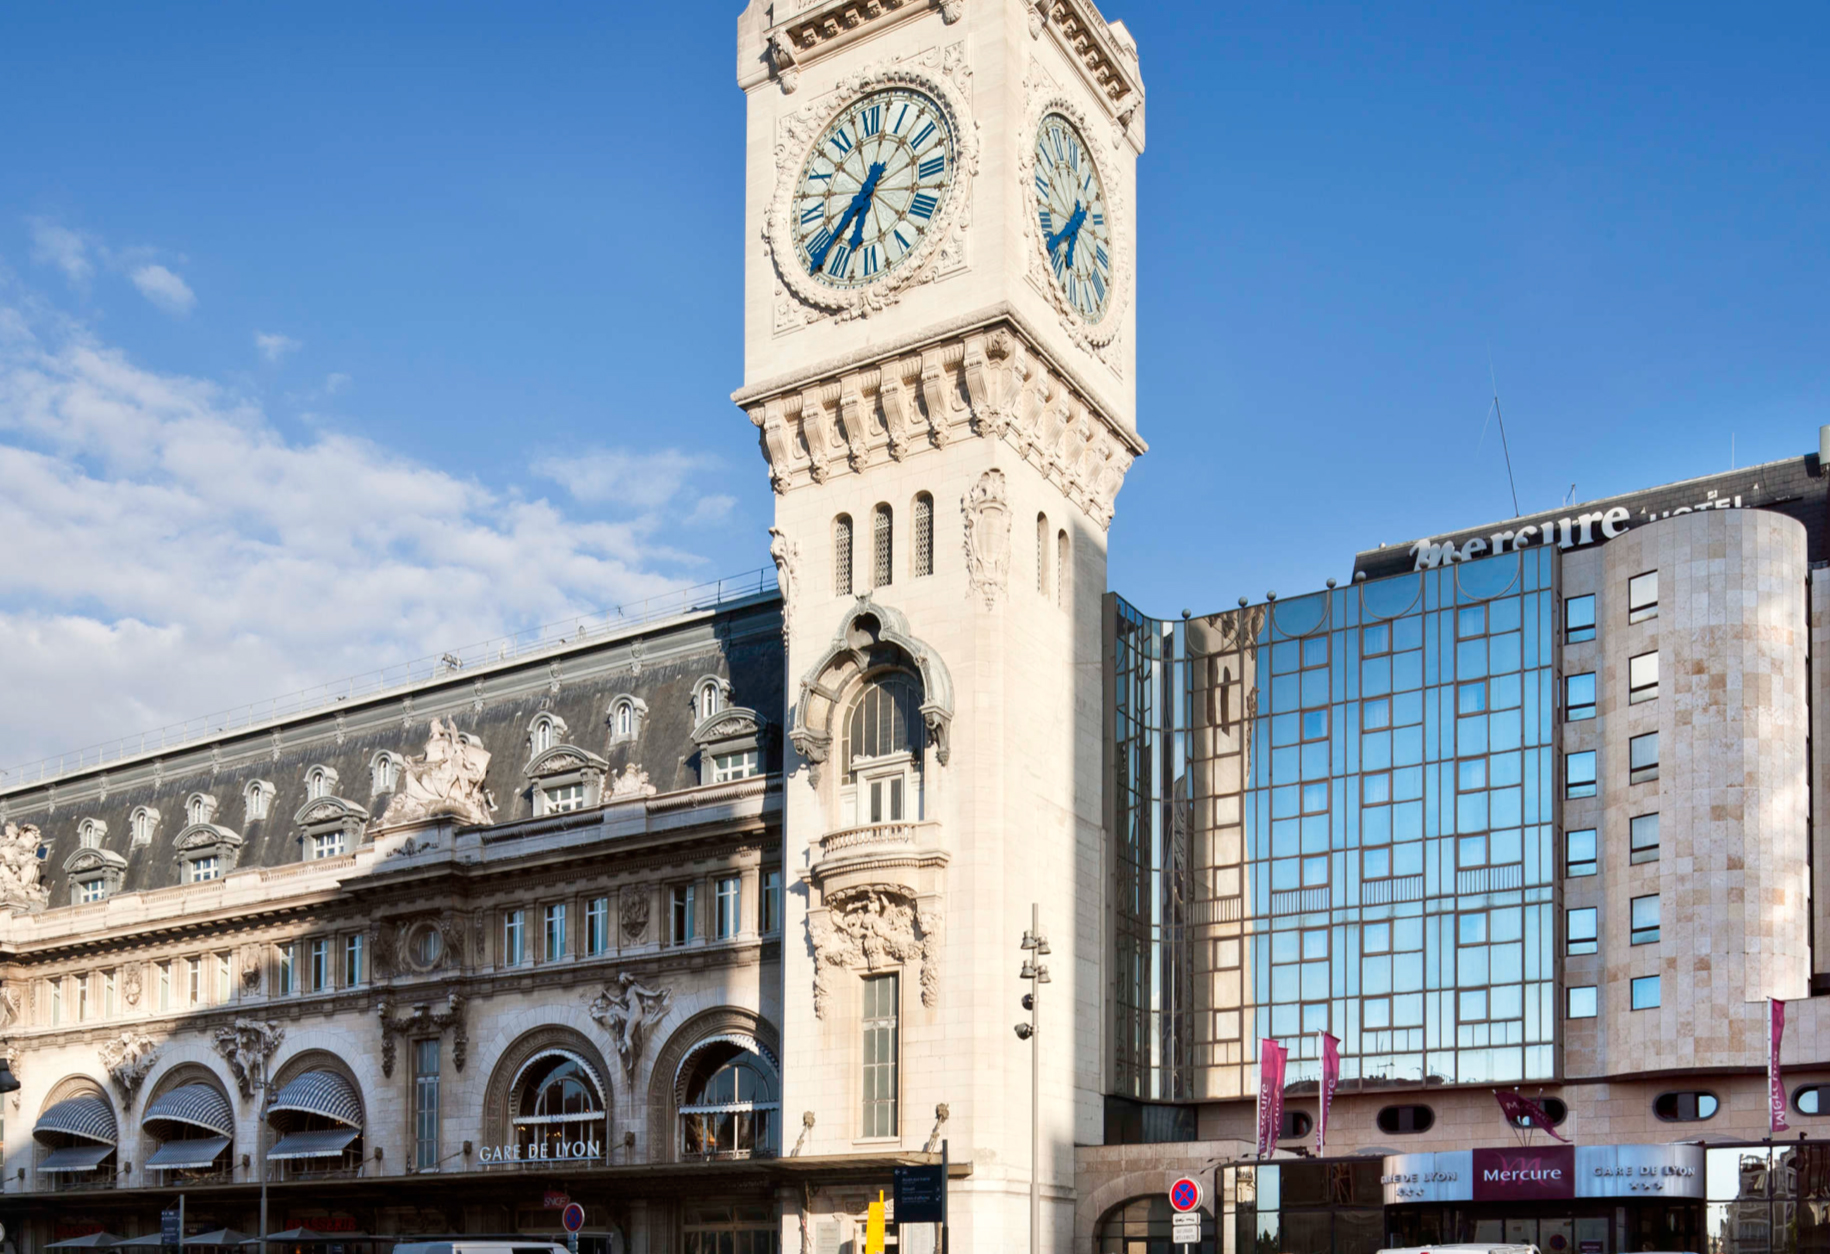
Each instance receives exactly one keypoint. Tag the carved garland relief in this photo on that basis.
(874, 927)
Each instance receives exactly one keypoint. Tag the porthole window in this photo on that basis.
(1297, 1125)
(1401, 1119)
(426, 947)
(1553, 1107)
(1809, 1100)
(1685, 1107)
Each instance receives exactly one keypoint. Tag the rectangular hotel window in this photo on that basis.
(1645, 993)
(425, 1105)
(1642, 678)
(730, 911)
(1642, 597)
(1578, 696)
(685, 925)
(1579, 774)
(352, 959)
(284, 985)
(597, 926)
(881, 1054)
(1579, 851)
(555, 931)
(224, 985)
(1579, 619)
(320, 965)
(1644, 838)
(1582, 930)
(1642, 758)
(514, 937)
(194, 970)
(771, 902)
(1582, 1002)
(1645, 920)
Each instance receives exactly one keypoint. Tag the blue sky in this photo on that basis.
(335, 335)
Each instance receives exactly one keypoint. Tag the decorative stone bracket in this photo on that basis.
(129, 1059)
(873, 927)
(246, 1046)
(422, 1020)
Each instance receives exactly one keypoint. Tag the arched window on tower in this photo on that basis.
(882, 540)
(1042, 554)
(884, 739)
(841, 555)
(921, 561)
(1061, 567)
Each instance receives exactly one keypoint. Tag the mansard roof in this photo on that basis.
(658, 664)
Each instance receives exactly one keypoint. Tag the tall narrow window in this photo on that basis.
(1579, 619)
(1642, 678)
(597, 926)
(320, 965)
(922, 562)
(771, 902)
(425, 1104)
(1645, 919)
(1061, 567)
(1642, 758)
(1642, 597)
(1643, 838)
(1042, 554)
(556, 931)
(882, 536)
(730, 912)
(514, 924)
(1583, 936)
(1580, 847)
(165, 986)
(57, 1002)
(82, 998)
(287, 980)
(841, 555)
(224, 985)
(685, 925)
(352, 959)
(881, 1054)
(194, 969)
(111, 995)
(1579, 774)
(1578, 696)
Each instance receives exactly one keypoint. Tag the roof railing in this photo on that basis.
(518, 646)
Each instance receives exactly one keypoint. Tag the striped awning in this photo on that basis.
(316, 1093)
(76, 1158)
(190, 1105)
(547, 1055)
(89, 1117)
(188, 1155)
(324, 1143)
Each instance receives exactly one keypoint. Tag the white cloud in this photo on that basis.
(164, 289)
(335, 383)
(637, 481)
(710, 509)
(66, 249)
(169, 552)
(273, 346)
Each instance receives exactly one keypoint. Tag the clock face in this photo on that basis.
(874, 183)
(1071, 209)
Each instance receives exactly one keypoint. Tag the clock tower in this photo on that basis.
(939, 357)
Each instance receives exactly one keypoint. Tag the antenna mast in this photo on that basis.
(1510, 481)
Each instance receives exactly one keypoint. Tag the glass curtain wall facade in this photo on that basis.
(1337, 812)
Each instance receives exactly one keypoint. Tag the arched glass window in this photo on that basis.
(319, 780)
(89, 833)
(709, 699)
(1042, 554)
(384, 772)
(841, 555)
(1061, 567)
(732, 1106)
(257, 799)
(198, 808)
(559, 1110)
(882, 751)
(1143, 1226)
(141, 822)
(922, 561)
(882, 539)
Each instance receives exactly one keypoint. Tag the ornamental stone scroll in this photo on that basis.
(874, 926)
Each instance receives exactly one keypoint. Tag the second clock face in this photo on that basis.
(874, 184)
(1071, 210)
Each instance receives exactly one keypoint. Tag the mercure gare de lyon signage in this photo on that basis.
(1542, 1173)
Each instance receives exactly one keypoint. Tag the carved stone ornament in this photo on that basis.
(446, 781)
(246, 1046)
(987, 510)
(20, 868)
(9, 1006)
(251, 968)
(952, 11)
(873, 926)
(129, 1059)
(130, 985)
(627, 1013)
(795, 134)
(422, 1020)
(787, 556)
(1095, 337)
(635, 915)
(631, 784)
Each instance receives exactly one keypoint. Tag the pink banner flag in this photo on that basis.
(1331, 1077)
(1517, 1106)
(1271, 1057)
(1775, 1083)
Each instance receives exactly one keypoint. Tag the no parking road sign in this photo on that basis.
(1185, 1195)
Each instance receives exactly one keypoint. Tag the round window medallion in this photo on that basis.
(426, 946)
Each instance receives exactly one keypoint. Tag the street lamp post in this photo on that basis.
(1035, 946)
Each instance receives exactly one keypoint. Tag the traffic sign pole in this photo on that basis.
(1185, 1198)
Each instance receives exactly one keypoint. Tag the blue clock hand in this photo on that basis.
(1070, 231)
(855, 210)
(862, 203)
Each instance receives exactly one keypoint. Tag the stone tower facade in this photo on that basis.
(939, 357)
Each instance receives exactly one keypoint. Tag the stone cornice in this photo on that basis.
(989, 379)
(1087, 39)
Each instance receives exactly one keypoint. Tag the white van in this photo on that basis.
(481, 1245)
(1466, 1248)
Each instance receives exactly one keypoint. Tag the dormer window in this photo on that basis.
(198, 870)
(142, 823)
(708, 698)
(384, 773)
(320, 781)
(90, 890)
(544, 732)
(626, 715)
(199, 807)
(257, 799)
(326, 844)
(93, 872)
(90, 832)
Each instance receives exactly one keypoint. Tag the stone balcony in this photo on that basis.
(896, 853)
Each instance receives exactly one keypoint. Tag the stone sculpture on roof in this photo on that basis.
(446, 781)
(20, 867)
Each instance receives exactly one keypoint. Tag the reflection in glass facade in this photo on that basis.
(1336, 812)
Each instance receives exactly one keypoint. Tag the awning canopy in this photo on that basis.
(294, 1236)
(75, 1158)
(325, 1143)
(316, 1093)
(188, 1155)
(189, 1105)
(222, 1236)
(546, 1055)
(94, 1241)
(89, 1117)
